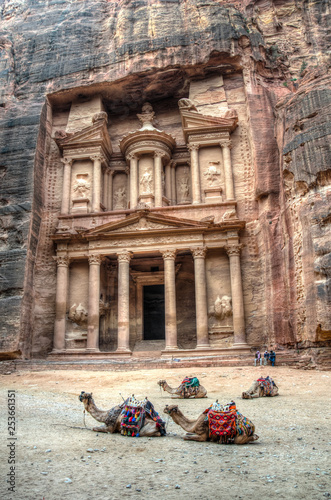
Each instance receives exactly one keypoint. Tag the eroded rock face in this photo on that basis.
(133, 52)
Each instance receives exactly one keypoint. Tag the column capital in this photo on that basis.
(193, 147)
(127, 170)
(124, 256)
(173, 163)
(169, 254)
(95, 259)
(159, 154)
(62, 260)
(233, 249)
(226, 144)
(96, 157)
(199, 252)
(67, 161)
(131, 156)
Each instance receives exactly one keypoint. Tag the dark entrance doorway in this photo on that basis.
(154, 314)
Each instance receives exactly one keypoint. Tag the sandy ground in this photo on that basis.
(57, 457)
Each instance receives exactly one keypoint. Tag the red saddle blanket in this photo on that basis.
(222, 424)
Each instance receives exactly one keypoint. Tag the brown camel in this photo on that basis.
(184, 392)
(198, 430)
(260, 388)
(112, 418)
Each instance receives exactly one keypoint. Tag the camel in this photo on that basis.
(112, 419)
(199, 429)
(184, 391)
(260, 388)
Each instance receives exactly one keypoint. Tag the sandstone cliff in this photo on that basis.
(149, 50)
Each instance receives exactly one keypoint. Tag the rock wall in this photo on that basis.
(270, 53)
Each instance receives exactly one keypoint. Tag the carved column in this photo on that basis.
(158, 155)
(93, 303)
(133, 179)
(199, 255)
(96, 198)
(110, 189)
(105, 188)
(128, 184)
(65, 202)
(229, 188)
(123, 335)
(169, 257)
(168, 181)
(173, 183)
(233, 252)
(61, 303)
(195, 173)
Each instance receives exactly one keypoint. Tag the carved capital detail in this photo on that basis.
(124, 256)
(96, 158)
(67, 161)
(199, 252)
(169, 254)
(173, 164)
(95, 259)
(131, 156)
(159, 154)
(193, 147)
(233, 249)
(226, 144)
(62, 260)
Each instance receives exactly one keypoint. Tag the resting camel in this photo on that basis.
(260, 388)
(184, 392)
(198, 430)
(112, 418)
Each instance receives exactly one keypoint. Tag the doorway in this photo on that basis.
(154, 312)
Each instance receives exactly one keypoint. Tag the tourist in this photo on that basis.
(266, 357)
(258, 359)
(272, 358)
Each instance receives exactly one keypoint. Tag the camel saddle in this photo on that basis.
(267, 385)
(225, 422)
(189, 386)
(134, 413)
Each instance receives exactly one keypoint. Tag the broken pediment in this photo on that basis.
(89, 140)
(194, 123)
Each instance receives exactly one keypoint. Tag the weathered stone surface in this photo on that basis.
(137, 51)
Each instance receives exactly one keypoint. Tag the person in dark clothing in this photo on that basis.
(272, 358)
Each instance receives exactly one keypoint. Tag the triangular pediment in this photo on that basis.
(143, 222)
(194, 122)
(91, 136)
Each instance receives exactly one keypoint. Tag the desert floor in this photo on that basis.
(57, 457)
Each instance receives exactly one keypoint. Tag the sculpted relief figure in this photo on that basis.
(78, 314)
(186, 104)
(146, 182)
(120, 199)
(184, 190)
(212, 173)
(82, 186)
(222, 308)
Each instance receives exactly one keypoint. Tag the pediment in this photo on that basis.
(91, 136)
(194, 122)
(145, 223)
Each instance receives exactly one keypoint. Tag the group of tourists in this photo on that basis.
(267, 356)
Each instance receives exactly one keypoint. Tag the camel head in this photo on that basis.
(170, 409)
(161, 383)
(85, 397)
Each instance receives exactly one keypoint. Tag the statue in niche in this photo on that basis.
(212, 173)
(184, 190)
(78, 314)
(146, 182)
(82, 186)
(120, 199)
(146, 117)
(222, 308)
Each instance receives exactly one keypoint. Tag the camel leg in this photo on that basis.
(190, 436)
(103, 428)
(149, 430)
(243, 439)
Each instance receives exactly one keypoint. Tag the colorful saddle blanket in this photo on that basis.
(267, 385)
(189, 386)
(134, 414)
(191, 382)
(225, 422)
